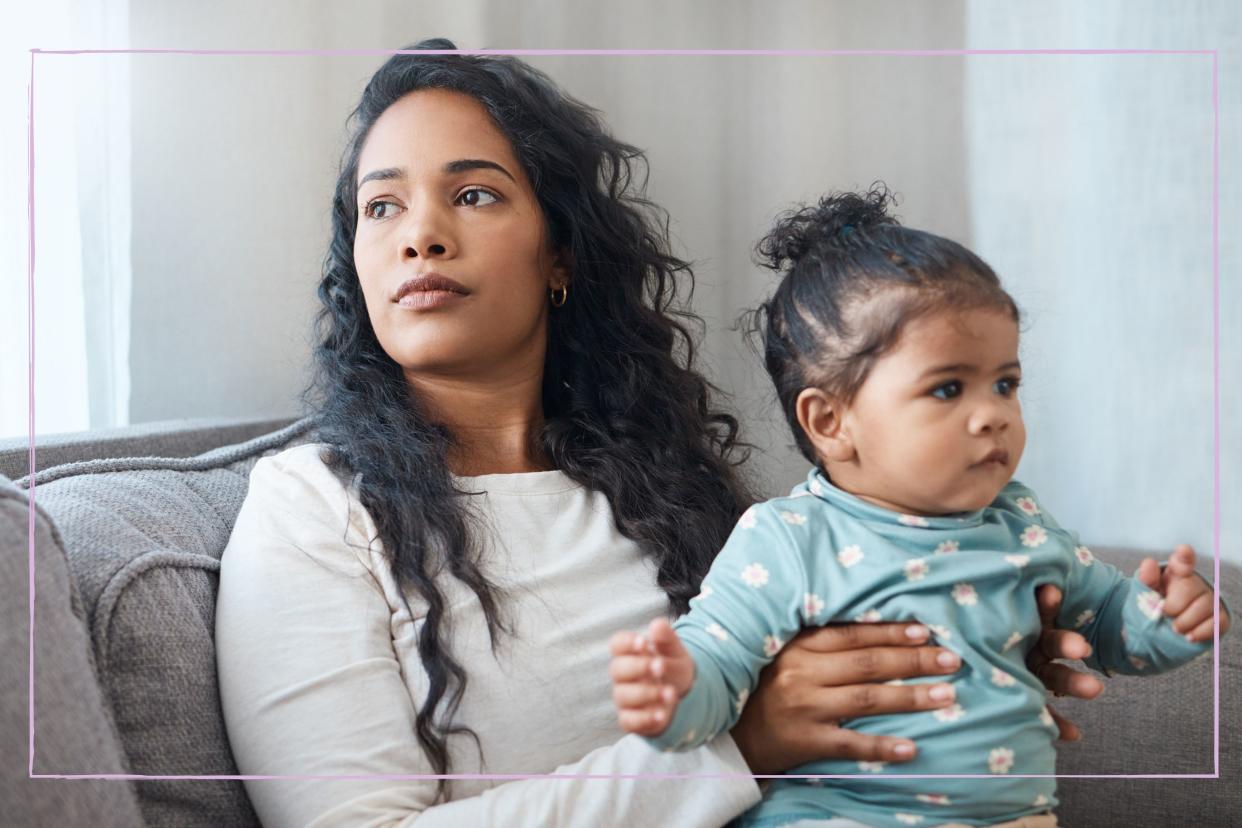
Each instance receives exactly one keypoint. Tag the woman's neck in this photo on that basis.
(495, 422)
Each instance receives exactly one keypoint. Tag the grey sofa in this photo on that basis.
(128, 532)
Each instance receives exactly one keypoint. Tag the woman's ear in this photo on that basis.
(562, 272)
(820, 416)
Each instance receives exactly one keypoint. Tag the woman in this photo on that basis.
(517, 458)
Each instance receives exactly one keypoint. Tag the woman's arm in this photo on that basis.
(311, 686)
(834, 673)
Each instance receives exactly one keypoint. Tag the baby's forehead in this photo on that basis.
(980, 336)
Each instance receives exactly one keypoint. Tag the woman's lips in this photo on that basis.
(428, 299)
(430, 290)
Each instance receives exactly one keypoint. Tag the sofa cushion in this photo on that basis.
(143, 537)
(73, 733)
(1158, 725)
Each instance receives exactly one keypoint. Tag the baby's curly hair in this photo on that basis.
(852, 278)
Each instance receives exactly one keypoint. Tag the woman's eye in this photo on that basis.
(375, 209)
(947, 391)
(1007, 386)
(477, 197)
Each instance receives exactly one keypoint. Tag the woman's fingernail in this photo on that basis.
(947, 659)
(916, 632)
(903, 749)
(941, 692)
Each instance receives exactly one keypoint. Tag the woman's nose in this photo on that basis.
(427, 233)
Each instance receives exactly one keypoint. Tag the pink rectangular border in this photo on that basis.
(666, 52)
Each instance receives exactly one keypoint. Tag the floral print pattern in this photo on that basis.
(755, 575)
(1150, 604)
(1000, 760)
(1033, 536)
(916, 569)
(965, 595)
(794, 518)
(1002, 679)
(849, 556)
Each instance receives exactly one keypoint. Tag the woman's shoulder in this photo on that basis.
(299, 471)
(295, 494)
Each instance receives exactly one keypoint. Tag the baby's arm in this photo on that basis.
(1188, 599)
(1127, 621)
(752, 601)
(649, 676)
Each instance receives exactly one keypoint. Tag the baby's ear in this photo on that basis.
(820, 414)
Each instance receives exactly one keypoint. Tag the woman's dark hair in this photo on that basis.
(853, 277)
(626, 413)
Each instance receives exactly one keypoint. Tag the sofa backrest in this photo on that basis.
(143, 538)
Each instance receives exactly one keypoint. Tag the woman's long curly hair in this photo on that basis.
(625, 411)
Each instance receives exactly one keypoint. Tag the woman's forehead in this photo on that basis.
(430, 128)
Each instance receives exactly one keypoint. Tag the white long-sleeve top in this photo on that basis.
(320, 675)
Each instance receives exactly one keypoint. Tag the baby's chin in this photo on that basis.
(958, 502)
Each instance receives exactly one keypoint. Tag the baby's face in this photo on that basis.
(937, 427)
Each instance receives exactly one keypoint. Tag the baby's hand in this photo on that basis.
(1187, 597)
(649, 676)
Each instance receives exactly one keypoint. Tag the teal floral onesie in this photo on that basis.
(823, 555)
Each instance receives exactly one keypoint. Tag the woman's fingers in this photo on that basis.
(1048, 600)
(1063, 681)
(840, 637)
(1054, 644)
(842, 743)
(833, 704)
(1067, 730)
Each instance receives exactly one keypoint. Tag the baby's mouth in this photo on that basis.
(997, 455)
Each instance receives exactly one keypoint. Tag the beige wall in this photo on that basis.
(235, 157)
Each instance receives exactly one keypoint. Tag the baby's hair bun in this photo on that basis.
(826, 226)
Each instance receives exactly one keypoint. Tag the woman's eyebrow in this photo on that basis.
(464, 164)
(460, 165)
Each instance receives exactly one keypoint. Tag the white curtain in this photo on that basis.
(82, 217)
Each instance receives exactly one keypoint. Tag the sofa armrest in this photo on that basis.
(73, 730)
(171, 438)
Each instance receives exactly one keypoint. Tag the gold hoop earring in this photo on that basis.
(559, 296)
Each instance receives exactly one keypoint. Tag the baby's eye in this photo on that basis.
(947, 391)
(477, 197)
(1007, 386)
(371, 211)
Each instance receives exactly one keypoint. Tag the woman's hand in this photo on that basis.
(832, 673)
(1056, 644)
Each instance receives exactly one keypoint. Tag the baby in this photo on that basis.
(895, 357)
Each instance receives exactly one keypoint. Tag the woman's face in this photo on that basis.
(451, 246)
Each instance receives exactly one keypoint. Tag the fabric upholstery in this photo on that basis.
(1155, 725)
(73, 730)
(143, 537)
